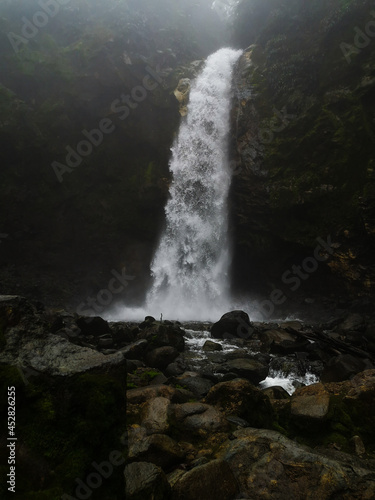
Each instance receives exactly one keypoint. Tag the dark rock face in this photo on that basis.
(299, 130)
(113, 88)
(344, 367)
(232, 324)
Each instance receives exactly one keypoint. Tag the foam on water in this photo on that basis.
(190, 268)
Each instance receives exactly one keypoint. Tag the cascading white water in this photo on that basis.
(190, 267)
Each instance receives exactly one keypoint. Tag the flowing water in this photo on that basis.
(191, 265)
(190, 268)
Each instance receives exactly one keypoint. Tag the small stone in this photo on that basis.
(212, 346)
(358, 446)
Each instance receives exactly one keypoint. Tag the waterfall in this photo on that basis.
(190, 268)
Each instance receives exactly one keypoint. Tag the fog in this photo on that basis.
(203, 21)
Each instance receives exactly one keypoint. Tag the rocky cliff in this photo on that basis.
(87, 119)
(303, 142)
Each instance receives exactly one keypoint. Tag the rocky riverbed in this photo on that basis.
(229, 410)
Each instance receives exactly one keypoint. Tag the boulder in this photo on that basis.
(275, 336)
(143, 394)
(136, 350)
(239, 397)
(95, 326)
(199, 386)
(158, 449)
(212, 346)
(162, 335)
(276, 392)
(155, 416)
(198, 418)
(266, 464)
(161, 357)
(212, 481)
(232, 324)
(310, 403)
(248, 368)
(354, 322)
(343, 367)
(54, 355)
(146, 481)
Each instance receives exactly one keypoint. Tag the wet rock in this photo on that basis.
(136, 350)
(212, 481)
(343, 367)
(198, 417)
(199, 386)
(232, 324)
(176, 368)
(105, 341)
(123, 333)
(310, 403)
(182, 93)
(269, 337)
(158, 449)
(155, 416)
(159, 379)
(239, 397)
(264, 460)
(288, 365)
(358, 446)
(354, 322)
(161, 357)
(162, 335)
(146, 481)
(295, 325)
(276, 392)
(54, 355)
(147, 323)
(212, 346)
(248, 368)
(95, 326)
(143, 394)
(290, 347)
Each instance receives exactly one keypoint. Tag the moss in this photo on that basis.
(75, 422)
(338, 440)
(149, 375)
